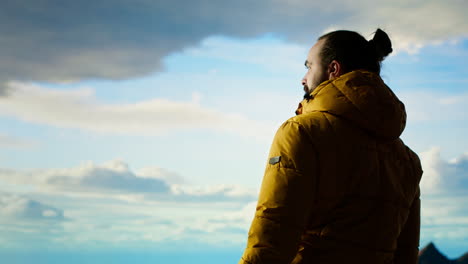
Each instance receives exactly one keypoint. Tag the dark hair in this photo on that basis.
(354, 52)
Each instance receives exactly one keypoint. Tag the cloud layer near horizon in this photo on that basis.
(58, 42)
(115, 179)
(111, 202)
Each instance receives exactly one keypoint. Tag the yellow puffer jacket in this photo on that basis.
(340, 186)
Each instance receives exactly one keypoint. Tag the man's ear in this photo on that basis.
(335, 70)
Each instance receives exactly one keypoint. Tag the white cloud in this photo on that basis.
(411, 25)
(80, 109)
(19, 207)
(440, 176)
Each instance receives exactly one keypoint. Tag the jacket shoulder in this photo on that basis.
(416, 162)
(313, 121)
(319, 126)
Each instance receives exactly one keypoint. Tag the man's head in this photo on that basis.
(342, 51)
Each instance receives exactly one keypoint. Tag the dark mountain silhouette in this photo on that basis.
(431, 255)
(463, 259)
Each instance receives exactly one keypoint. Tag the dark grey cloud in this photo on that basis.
(96, 178)
(112, 177)
(71, 40)
(57, 41)
(116, 180)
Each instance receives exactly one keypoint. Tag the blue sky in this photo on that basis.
(141, 130)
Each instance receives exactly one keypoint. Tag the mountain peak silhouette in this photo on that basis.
(431, 255)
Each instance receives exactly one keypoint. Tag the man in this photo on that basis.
(340, 186)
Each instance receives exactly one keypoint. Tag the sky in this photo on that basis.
(138, 131)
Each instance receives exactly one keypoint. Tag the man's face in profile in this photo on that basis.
(316, 73)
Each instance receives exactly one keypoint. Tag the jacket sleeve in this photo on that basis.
(285, 199)
(408, 241)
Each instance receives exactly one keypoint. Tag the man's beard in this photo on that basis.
(307, 93)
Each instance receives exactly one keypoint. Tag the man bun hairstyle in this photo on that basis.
(381, 44)
(354, 52)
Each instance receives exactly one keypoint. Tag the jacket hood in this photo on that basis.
(362, 98)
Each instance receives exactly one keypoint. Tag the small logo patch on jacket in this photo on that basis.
(275, 160)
